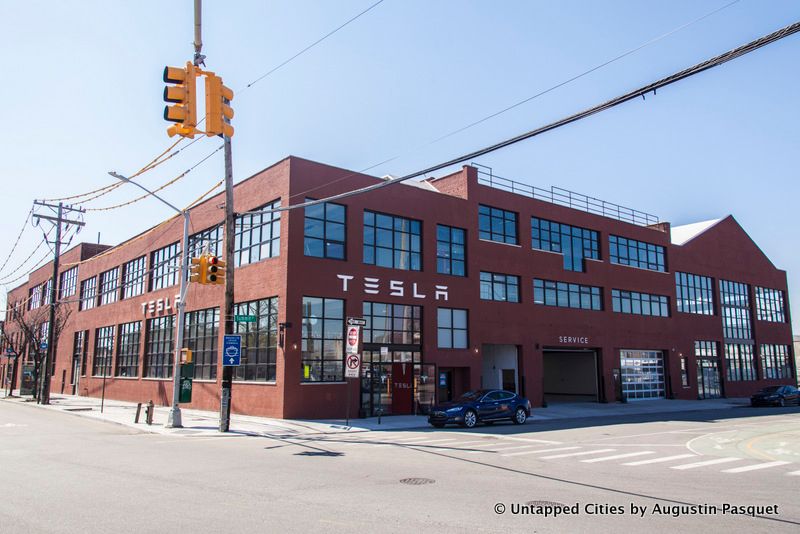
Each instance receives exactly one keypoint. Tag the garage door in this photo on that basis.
(642, 374)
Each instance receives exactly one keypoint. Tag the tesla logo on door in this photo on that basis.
(397, 288)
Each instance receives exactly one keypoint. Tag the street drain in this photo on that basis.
(417, 481)
(545, 503)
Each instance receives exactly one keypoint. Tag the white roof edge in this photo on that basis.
(413, 183)
(680, 235)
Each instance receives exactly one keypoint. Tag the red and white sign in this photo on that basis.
(352, 367)
(353, 337)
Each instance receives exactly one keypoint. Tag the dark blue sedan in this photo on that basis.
(482, 406)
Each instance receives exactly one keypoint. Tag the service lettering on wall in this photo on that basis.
(574, 339)
(159, 306)
(396, 288)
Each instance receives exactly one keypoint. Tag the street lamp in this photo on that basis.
(174, 419)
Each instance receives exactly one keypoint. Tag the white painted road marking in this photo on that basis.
(505, 448)
(707, 462)
(617, 457)
(576, 454)
(541, 450)
(794, 473)
(664, 459)
(754, 467)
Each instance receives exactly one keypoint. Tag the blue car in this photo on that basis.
(482, 406)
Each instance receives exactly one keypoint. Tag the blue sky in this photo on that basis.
(82, 90)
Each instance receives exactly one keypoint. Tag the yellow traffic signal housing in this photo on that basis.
(184, 95)
(218, 111)
(197, 271)
(215, 271)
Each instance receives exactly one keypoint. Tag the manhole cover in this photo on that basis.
(545, 503)
(417, 481)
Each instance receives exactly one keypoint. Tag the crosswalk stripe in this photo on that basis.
(540, 450)
(617, 457)
(754, 467)
(432, 441)
(501, 449)
(707, 462)
(584, 453)
(794, 473)
(664, 459)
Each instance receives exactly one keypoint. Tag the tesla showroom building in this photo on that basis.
(465, 281)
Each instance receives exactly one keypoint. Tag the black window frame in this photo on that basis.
(508, 231)
(331, 247)
(770, 305)
(102, 360)
(259, 341)
(449, 328)
(88, 297)
(109, 287)
(134, 275)
(493, 281)
(618, 244)
(129, 337)
(201, 336)
(567, 295)
(165, 266)
(636, 302)
(260, 231)
(378, 227)
(565, 239)
(322, 350)
(159, 351)
(451, 254)
(736, 311)
(69, 282)
(694, 293)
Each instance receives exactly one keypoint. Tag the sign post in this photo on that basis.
(352, 358)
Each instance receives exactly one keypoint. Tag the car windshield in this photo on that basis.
(771, 389)
(471, 396)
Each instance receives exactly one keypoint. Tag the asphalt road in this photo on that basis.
(62, 473)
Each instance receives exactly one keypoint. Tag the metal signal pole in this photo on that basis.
(227, 371)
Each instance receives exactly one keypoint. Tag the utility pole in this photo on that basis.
(44, 391)
(227, 370)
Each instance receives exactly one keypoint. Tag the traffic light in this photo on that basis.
(184, 95)
(197, 272)
(215, 271)
(218, 98)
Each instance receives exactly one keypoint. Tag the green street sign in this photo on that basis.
(245, 318)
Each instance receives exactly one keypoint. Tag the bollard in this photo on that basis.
(138, 411)
(149, 412)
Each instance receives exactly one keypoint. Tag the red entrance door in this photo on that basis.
(402, 388)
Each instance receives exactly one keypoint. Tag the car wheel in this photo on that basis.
(438, 425)
(470, 419)
(782, 402)
(519, 416)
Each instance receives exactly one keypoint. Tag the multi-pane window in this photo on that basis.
(259, 340)
(69, 282)
(35, 297)
(209, 240)
(88, 293)
(624, 251)
(46, 287)
(80, 347)
(200, 335)
(502, 287)
(103, 351)
(451, 250)
(695, 293)
(565, 295)
(323, 346)
(739, 360)
(775, 361)
(735, 310)
(573, 242)
(133, 276)
(770, 305)
(451, 328)
(496, 224)
(392, 324)
(391, 241)
(324, 234)
(257, 235)
(637, 303)
(165, 264)
(128, 349)
(109, 288)
(705, 349)
(159, 347)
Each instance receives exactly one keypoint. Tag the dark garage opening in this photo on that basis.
(570, 376)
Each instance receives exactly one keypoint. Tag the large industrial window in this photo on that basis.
(259, 340)
(565, 295)
(695, 293)
(502, 287)
(209, 240)
(200, 335)
(35, 297)
(770, 305)
(165, 264)
(258, 235)
(391, 241)
(451, 250)
(103, 351)
(88, 293)
(46, 287)
(128, 349)
(637, 303)
(69, 282)
(159, 348)
(624, 251)
(451, 328)
(323, 347)
(325, 231)
(735, 310)
(573, 242)
(739, 360)
(80, 348)
(495, 224)
(133, 276)
(775, 362)
(109, 286)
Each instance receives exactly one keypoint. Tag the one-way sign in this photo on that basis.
(356, 321)
(231, 350)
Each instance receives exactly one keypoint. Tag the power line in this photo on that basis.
(21, 231)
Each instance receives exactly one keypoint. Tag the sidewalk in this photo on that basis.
(199, 422)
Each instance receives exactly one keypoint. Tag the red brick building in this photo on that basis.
(465, 281)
